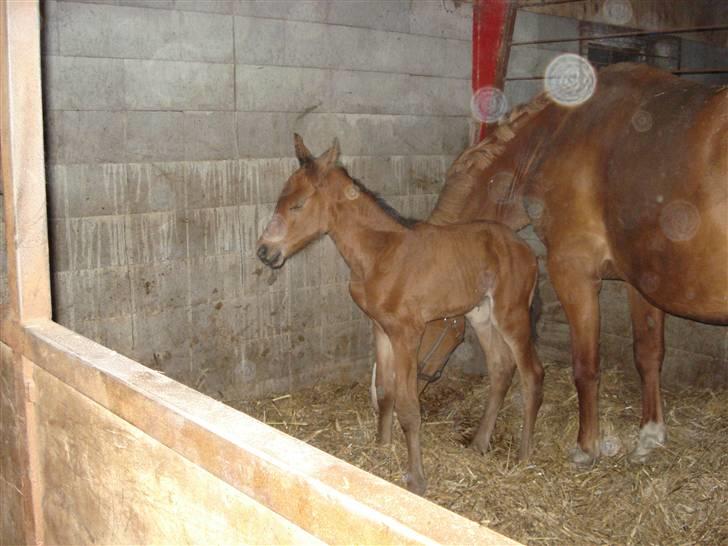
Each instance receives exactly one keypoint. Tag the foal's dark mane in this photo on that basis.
(386, 207)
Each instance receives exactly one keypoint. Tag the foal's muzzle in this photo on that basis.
(271, 257)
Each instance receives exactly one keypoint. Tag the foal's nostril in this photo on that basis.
(262, 252)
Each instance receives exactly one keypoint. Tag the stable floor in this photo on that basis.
(680, 496)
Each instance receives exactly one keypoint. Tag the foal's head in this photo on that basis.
(301, 214)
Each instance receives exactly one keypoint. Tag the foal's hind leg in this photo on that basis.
(649, 349)
(515, 327)
(501, 366)
(384, 385)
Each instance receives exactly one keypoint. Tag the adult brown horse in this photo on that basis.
(631, 185)
(403, 276)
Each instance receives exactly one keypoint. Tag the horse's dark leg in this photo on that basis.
(499, 359)
(384, 382)
(649, 349)
(577, 286)
(407, 404)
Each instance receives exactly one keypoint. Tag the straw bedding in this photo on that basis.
(679, 497)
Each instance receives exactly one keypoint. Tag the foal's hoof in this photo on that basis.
(652, 436)
(581, 458)
(416, 485)
(480, 447)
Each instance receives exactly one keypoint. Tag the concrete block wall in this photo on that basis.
(169, 135)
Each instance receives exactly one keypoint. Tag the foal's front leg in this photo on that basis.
(407, 404)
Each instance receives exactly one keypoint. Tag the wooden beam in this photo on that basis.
(23, 186)
(321, 494)
(23, 171)
(493, 22)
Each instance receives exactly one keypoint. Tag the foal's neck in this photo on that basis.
(361, 228)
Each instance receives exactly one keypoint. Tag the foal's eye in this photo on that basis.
(297, 206)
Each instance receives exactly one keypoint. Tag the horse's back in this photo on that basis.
(651, 150)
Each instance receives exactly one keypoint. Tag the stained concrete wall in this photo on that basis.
(169, 134)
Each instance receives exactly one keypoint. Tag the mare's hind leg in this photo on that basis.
(649, 349)
(384, 385)
(501, 366)
(514, 325)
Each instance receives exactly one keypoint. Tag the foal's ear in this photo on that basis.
(302, 153)
(330, 156)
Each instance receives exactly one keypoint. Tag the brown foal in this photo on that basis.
(404, 275)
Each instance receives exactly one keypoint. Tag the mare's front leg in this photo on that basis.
(405, 343)
(577, 284)
(649, 349)
(384, 385)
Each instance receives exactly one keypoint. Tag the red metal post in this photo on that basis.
(493, 22)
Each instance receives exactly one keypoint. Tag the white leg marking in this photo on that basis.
(373, 389)
(480, 315)
(581, 457)
(652, 435)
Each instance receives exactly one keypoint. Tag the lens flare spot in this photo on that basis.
(488, 104)
(617, 12)
(570, 80)
(534, 208)
(679, 220)
(611, 446)
(500, 188)
(352, 192)
(276, 229)
(649, 282)
(642, 121)
(486, 281)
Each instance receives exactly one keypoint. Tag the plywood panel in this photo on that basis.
(11, 427)
(105, 482)
(323, 495)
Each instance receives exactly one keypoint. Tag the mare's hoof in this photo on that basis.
(418, 486)
(581, 458)
(652, 436)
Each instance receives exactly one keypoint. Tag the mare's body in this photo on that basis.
(631, 185)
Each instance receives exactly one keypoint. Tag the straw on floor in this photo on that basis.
(679, 497)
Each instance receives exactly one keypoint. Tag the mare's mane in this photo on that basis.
(460, 178)
(484, 153)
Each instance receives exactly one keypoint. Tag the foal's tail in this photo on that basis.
(536, 306)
